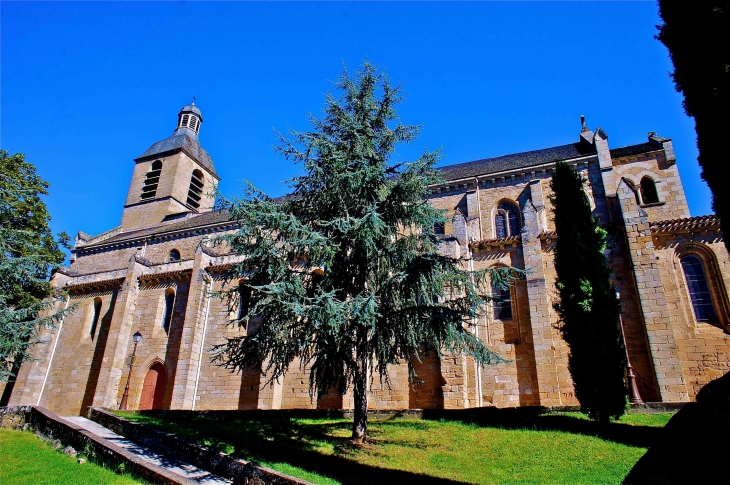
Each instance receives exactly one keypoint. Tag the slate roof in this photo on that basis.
(533, 158)
(635, 149)
(516, 160)
(185, 142)
(192, 108)
(204, 219)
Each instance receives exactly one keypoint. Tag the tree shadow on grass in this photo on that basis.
(536, 418)
(694, 449)
(278, 438)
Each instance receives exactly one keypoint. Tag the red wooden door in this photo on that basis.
(153, 389)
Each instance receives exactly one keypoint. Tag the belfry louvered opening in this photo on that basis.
(196, 189)
(149, 189)
(190, 121)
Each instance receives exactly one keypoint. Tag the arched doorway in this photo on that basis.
(153, 389)
(331, 400)
(428, 393)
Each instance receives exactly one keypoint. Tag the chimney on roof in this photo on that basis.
(586, 135)
(583, 127)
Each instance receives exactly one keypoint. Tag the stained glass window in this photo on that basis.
(500, 222)
(502, 303)
(507, 220)
(698, 288)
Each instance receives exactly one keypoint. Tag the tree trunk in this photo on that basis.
(17, 361)
(10, 385)
(360, 423)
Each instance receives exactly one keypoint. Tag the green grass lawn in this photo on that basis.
(500, 448)
(26, 459)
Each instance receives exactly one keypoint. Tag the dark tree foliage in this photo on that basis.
(588, 307)
(697, 35)
(28, 253)
(345, 272)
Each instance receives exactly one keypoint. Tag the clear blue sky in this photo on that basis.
(87, 87)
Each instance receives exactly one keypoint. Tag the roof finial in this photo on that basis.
(583, 127)
(194, 98)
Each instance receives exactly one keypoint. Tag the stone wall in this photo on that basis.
(703, 348)
(631, 315)
(672, 199)
(172, 191)
(220, 388)
(155, 251)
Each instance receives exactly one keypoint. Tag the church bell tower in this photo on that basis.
(173, 177)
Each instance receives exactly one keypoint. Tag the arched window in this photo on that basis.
(698, 289)
(196, 189)
(502, 302)
(649, 193)
(169, 306)
(244, 301)
(184, 121)
(174, 256)
(149, 188)
(506, 220)
(95, 317)
(193, 121)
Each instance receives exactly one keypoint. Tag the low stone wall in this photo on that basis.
(457, 414)
(14, 417)
(203, 457)
(96, 449)
(657, 407)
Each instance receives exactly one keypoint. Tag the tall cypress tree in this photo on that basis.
(697, 35)
(345, 272)
(588, 307)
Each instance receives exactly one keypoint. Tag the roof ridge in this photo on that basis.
(510, 155)
(186, 143)
(214, 217)
(512, 161)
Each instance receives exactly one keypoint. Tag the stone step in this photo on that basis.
(185, 470)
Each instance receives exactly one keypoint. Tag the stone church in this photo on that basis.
(151, 278)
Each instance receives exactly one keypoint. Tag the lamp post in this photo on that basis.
(136, 338)
(634, 397)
